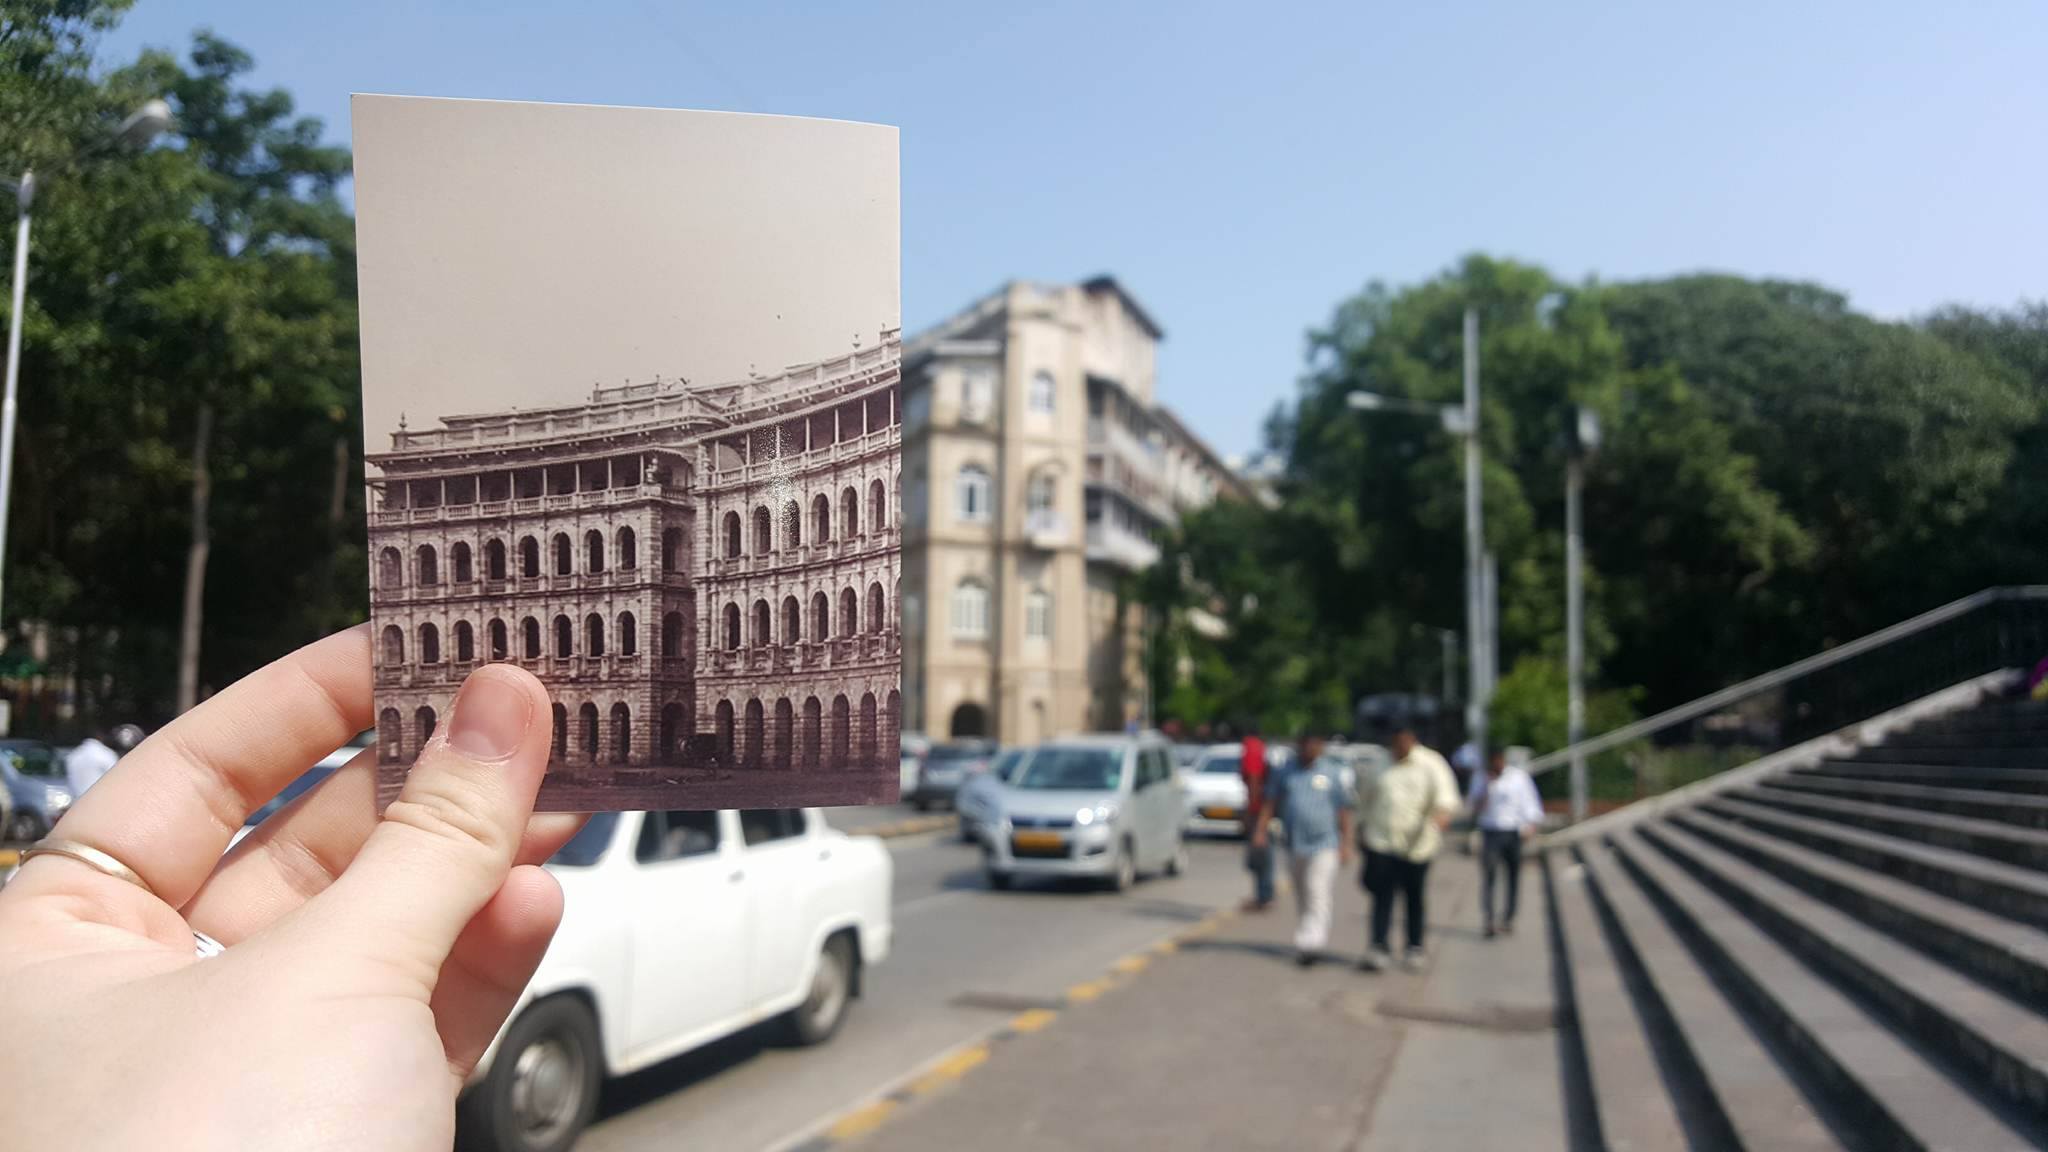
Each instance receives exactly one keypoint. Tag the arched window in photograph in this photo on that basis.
(732, 535)
(390, 569)
(587, 736)
(494, 635)
(629, 635)
(971, 495)
(892, 721)
(629, 549)
(1040, 496)
(821, 519)
(762, 636)
(866, 744)
(732, 627)
(792, 621)
(842, 721)
(459, 560)
(559, 752)
(813, 734)
(1038, 614)
(672, 550)
(755, 752)
(430, 644)
(849, 513)
(1044, 394)
(394, 646)
(593, 635)
(465, 642)
(494, 560)
(529, 558)
(876, 620)
(970, 610)
(390, 736)
(423, 722)
(565, 637)
(429, 569)
(782, 742)
(670, 750)
(593, 551)
(821, 618)
(792, 525)
(529, 639)
(878, 506)
(622, 733)
(764, 531)
(849, 611)
(565, 554)
(672, 635)
(723, 719)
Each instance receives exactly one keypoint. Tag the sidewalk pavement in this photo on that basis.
(1220, 1042)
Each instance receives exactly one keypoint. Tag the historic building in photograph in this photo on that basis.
(1040, 469)
(705, 577)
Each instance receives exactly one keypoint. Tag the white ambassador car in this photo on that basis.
(679, 928)
(1214, 787)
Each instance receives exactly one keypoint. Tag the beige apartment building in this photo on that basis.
(1039, 469)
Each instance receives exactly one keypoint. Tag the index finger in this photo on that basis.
(169, 808)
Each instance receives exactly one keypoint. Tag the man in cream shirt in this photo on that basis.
(1402, 814)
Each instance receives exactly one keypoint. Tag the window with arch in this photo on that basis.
(593, 551)
(669, 748)
(849, 611)
(792, 621)
(529, 558)
(586, 720)
(429, 568)
(732, 535)
(628, 548)
(971, 495)
(866, 744)
(970, 610)
(565, 637)
(876, 618)
(821, 618)
(430, 644)
(494, 560)
(560, 751)
(529, 639)
(821, 518)
(813, 738)
(1041, 495)
(459, 560)
(565, 554)
(394, 646)
(672, 635)
(1044, 393)
(732, 627)
(390, 569)
(722, 719)
(1038, 615)
(593, 635)
(629, 635)
(792, 525)
(849, 513)
(423, 722)
(756, 735)
(782, 742)
(465, 642)
(622, 733)
(764, 531)
(842, 720)
(390, 736)
(878, 506)
(494, 637)
(762, 636)
(672, 550)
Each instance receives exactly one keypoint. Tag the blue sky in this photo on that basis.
(1242, 167)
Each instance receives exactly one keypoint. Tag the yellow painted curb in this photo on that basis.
(9, 857)
(1033, 1020)
(861, 1121)
(1133, 963)
(950, 1069)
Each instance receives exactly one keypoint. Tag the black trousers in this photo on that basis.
(1388, 878)
(1499, 851)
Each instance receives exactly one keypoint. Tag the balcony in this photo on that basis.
(498, 509)
(1120, 548)
(1045, 529)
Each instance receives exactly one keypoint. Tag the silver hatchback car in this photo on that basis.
(1103, 807)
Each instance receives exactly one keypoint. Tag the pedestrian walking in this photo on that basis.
(1312, 798)
(1258, 853)
(1403, 812)
(1507, 810)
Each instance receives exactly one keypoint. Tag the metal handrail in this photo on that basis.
(1694, 709)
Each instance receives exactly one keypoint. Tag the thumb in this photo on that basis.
(444, 847)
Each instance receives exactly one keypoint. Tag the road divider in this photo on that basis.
(911, 826)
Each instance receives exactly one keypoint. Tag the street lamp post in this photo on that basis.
(1460, 420)
(1584, 440)
(138, 129)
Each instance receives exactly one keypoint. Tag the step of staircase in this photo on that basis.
(1755, 1102)
(1999, 1041)
(2004, 953)
(1901, 1098)
(1976, 803)
(1972, 756)
(2031, 781)
(1992, 839)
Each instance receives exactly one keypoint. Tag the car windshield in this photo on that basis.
(292, 791)
(1078, 769)
(956, 754)
(1006, 764)
(1229, 762)
(35, 760)
(587, 847)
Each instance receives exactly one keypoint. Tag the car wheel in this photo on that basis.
(818, 1017)
(1126, 873)
(542, 1088)
(25, 828)
(1177, 864)
(1000, 881)
(921, 805)
(966, 831)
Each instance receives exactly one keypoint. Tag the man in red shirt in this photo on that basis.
(1258, 856)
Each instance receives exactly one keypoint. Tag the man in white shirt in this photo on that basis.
(1505, 805)
(85, 764)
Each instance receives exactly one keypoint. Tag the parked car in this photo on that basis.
(680, 928)
(1185, 755)
(37, 791)
(1215, 791)
(980, 795)
(1106, 807)
(945, 767)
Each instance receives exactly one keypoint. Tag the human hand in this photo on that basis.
(369, 961)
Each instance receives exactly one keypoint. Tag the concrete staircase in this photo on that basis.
(1852, 955)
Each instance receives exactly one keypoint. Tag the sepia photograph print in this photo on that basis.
(632, 423)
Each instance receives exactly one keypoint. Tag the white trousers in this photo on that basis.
(1314, 874)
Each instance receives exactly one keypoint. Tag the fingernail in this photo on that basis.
(492, 713)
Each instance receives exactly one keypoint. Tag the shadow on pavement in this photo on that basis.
(674, 1075)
